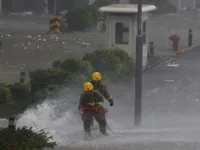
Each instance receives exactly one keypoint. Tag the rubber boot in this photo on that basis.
(87, 136)
(92, 123)
(87, 129)
(102, 127)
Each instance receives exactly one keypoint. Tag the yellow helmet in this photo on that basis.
(87, 86)
(96, 76)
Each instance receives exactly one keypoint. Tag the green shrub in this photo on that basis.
(85, 68)
(94, 14)
(5, 95)
(77, 80)
(82, 18)
(57, 76)
(41, 94)
(87, 16)
(74, 66)
(56, 63)
(79, 70)
(101, 3)
(49, 91)
(70, 64)
(70, 71)
(113, 63)
(25, 139)
(54, 89)
(19, 99)
(21, 91)
(41, 78)
(76, 20)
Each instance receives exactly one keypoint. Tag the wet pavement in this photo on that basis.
(171, 98)
(171, 102)
(170, 119)
(26, 42)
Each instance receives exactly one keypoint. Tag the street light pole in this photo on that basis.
(179, 5)
(194, 4)
(46, 7)
(55, 7)
(138, 73)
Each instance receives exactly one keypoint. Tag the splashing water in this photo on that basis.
(161, 121)
(57, 117)
(60, 117)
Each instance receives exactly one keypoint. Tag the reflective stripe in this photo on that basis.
(95, 103)
(100, 103)
(110, 98)
(87, 132)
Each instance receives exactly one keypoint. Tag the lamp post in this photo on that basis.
(55, 7)
(46, 7)
(138, 73)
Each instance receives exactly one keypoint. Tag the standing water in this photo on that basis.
(170, 110)
(162, 122)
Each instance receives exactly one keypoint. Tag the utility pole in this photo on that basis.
(55, 6)
(179, 5)
(194, 4)
(46, 7)
(139, 65)
(1, 6)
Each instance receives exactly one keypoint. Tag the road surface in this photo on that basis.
(26, 44)
(171, 97)
(171, 102)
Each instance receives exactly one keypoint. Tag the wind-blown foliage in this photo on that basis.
(24, 139)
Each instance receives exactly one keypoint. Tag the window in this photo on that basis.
(144, 32)
(121, 33)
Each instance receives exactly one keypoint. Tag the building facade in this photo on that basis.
(39, 5)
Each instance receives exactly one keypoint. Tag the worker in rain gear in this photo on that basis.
(99, 86)
(91, 105)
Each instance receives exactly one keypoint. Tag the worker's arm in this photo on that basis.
(105, 93)
(98, 96)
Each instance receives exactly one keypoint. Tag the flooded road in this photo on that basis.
(171, 97)
(171, 102)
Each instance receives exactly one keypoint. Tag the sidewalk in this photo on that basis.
(161, 27)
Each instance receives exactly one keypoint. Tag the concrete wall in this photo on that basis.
(124, 1)
(22, 5)
(38, 5)
(18, 5)
(6, 5)
(198, 2)
(174, 3)
(80, 3)
(180, 4)
(188, 3)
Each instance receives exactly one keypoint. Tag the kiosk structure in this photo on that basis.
(121, 27)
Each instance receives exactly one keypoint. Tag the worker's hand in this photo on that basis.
(111, 103)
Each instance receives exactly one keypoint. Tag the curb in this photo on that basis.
(192, 47)
(179, 52)
(165, 58)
